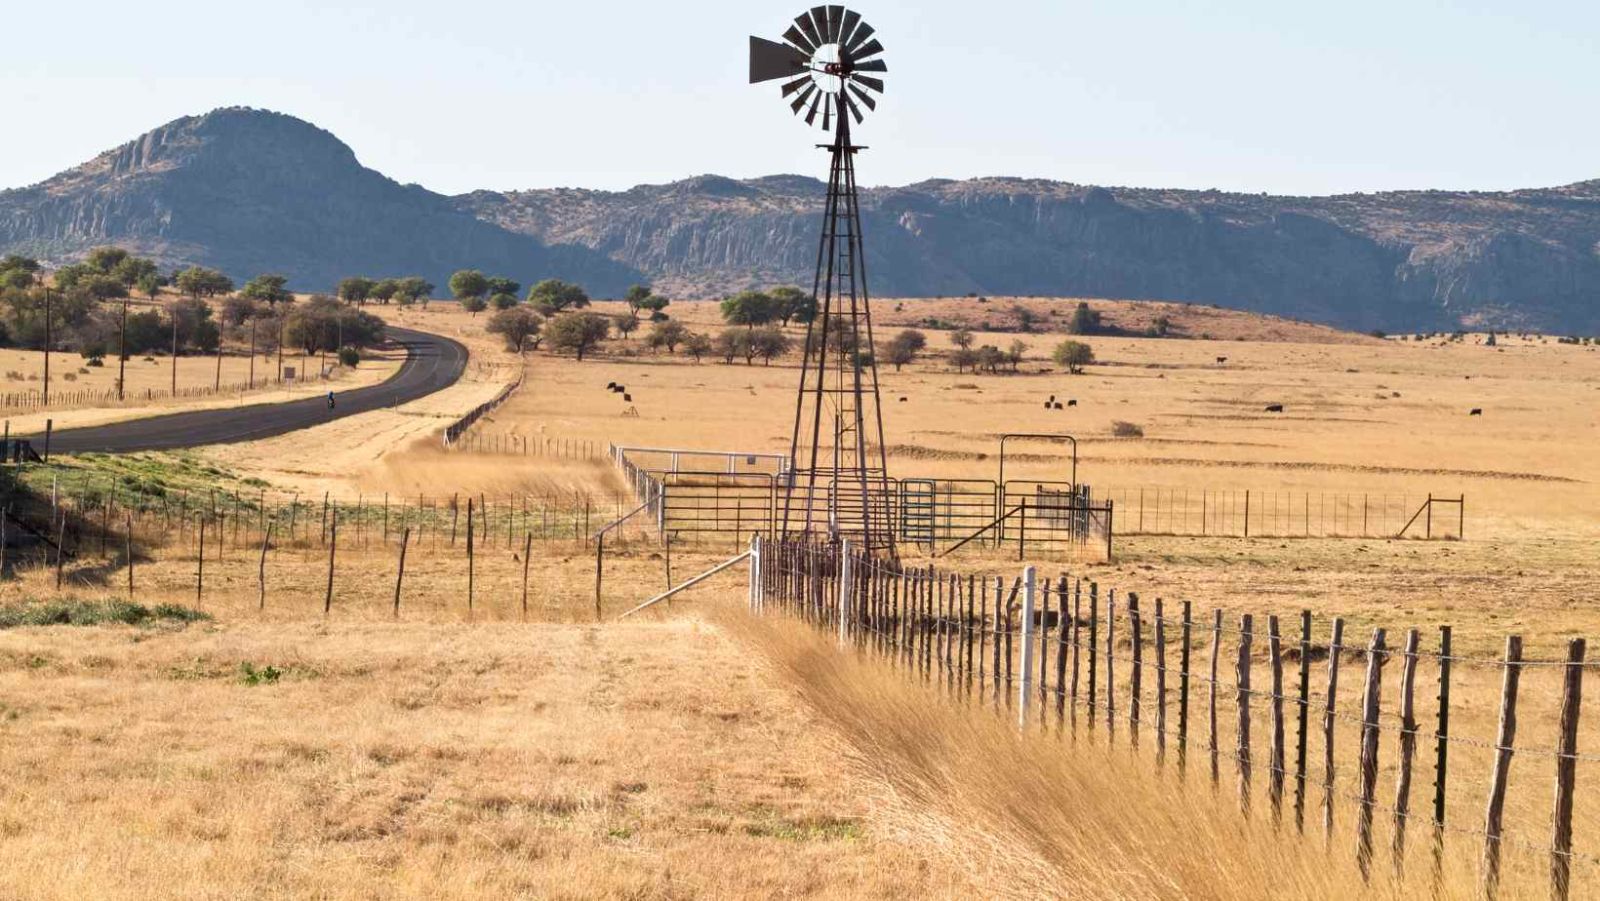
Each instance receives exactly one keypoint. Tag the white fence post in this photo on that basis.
(755, 573)
(1025, 684)
(846, 588)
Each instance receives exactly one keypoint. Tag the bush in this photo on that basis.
(1126, 429)
(349, 357)
(92, 613)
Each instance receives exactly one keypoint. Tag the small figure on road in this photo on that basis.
(330, 400)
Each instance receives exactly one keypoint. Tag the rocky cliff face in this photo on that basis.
(1403, 260)
(248, 191)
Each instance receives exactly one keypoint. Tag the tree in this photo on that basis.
(133, 270)
(990, 358)
(413, 288)
(964, 357)
(468, 284)
(961, 338)
(101, 287)
(791, 303)
(553, 296)
(624, 324)
(641, 300)
(198, 282)
(749, 309)
(1014, 354)
(517, 325)
(268, 289)
(1084, 321)
(13, 261)
(577, 332)
(696, 345)
(349, 357)
(324, 323)
(667, 334)
(1074, 355)
(238, 310)
(498, 285)
(474, 304)
(105, 259)
(730, 343)
(356, 289)
(768, 342)
(195, 327)
(384, 290)
(503, 301)
(150, 285)
(16, 278)
(904, 347)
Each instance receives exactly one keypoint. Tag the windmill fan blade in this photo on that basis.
(804, 96)
(819, 18)
(811, 114)
(874, 83)
(800, 41)
(854, 110)
(804, 21)
(871, 65)
(872, 48)
(848, 26)
(796, 85)
(864, 97)
(836, 23)
(859, 38)
(769, 60)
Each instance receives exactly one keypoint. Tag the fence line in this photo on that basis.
(1019, 646)
(455, 429)
(33, 399)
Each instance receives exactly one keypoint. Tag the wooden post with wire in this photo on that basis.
(1566, 773)
(1370, 705)
(1494, 816)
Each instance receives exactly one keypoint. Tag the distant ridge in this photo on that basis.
(251, 191)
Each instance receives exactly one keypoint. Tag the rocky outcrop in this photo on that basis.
(1405, 260)
(248, 191)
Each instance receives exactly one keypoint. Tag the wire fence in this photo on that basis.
(1233, 702)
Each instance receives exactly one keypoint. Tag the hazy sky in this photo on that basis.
(1246, 95)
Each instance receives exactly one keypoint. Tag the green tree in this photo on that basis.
(499, 285)
(268, 289)
(768, 342)
(468, 284)
(791, 303)
(349, 357)
(667, 334)
(577, 332)
(1084, 321)
(16, 278)
(625, 324)
(105, 260)
(1074, 355)
(640, 300)
(101, 287)
(133, 270)
(474, 304)
(696, 345)
(519, 326)
(904, 347)
(384, 289)
(13, 261)
(553, 296)
(356, 289)
(413, 288)
(961, 338)
(198, 281)
(730, 343)
(1014, 354)
(150, 285)
(749, 309)
(503, 300)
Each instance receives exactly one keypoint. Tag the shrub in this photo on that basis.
(92, 613)
(349, 357)
(1126, 429)
(1074, 355)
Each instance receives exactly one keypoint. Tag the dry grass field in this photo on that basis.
(694, 753)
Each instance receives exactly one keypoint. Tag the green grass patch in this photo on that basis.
(71, 612)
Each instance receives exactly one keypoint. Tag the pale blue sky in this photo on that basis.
(1287, 97)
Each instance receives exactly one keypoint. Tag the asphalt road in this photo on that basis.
(432, 362)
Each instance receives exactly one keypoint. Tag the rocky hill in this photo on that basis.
(249, 191)
(1403, 260)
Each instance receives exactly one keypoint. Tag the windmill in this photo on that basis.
(829, 63)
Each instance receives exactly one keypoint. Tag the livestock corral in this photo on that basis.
(1144, 636)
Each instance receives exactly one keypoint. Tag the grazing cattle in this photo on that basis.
(1058, 405)
(1052, 398)
(619, 389)
(1072, 403)
(627, 398)
(1476, 411)
(1274, 408)
(1048, 403)
(1221, 360)
(611, 386)
(902, 400)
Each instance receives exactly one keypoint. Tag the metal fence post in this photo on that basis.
(846, 589)
(1025, 684)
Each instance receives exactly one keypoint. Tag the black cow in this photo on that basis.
(1274, 408)
(1072, 403)
(902, 400)
(627, 398)
(1058, 405)
(1221, 360)
(1476, 411)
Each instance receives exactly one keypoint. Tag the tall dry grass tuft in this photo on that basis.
(1049, 815)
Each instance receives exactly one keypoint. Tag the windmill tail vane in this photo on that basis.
(830, 64)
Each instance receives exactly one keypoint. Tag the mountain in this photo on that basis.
(248, 191)
(1398, 261)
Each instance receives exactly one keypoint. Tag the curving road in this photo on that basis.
(432, 362)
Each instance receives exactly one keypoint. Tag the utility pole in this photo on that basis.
(174, 311)
(122, 352)
(281, 329)
(253, 322)
(216, 384)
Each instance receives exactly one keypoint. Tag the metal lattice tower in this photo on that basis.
(839, 484)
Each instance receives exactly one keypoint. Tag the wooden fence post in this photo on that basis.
(1334, 647)
(1304, 721)
(128, 538)
(1408, 749)
(1370, 705)
(527, 557)
(199, 563)
(1242, 678)
(1065, 634)
(1161, 684)
(1495, 814)
(1275, 753)
(470, 560)
(333, 544)
(1566, 773)
(1183, 687)
(1025, 684)
(1094, 648)
(1111, 669)
(1136, 671)
(1441, 753)
(261, 570)
(400, 574)
(1212, 743)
